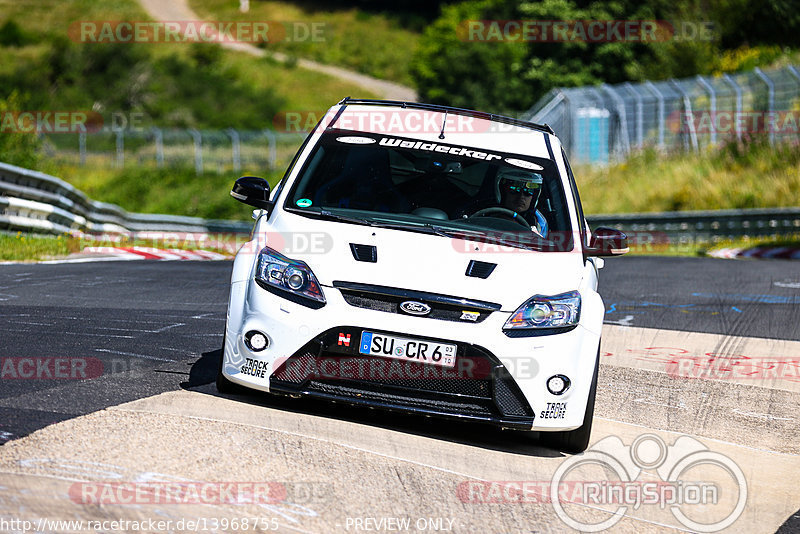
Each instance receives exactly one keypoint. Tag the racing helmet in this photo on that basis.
(527, 182)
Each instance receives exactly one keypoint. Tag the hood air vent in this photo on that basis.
(480, 269)
(368, 253)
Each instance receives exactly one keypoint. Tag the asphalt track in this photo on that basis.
(151, 333)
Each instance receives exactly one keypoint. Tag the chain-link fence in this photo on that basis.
(205, 150)
(606, 122)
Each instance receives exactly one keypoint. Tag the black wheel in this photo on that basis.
(575, 441)
(224, 385)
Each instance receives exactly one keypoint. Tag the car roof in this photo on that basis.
(424, 122)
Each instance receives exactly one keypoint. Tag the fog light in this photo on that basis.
(256, 341)
(558, 384)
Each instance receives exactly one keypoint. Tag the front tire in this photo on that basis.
(575, 441)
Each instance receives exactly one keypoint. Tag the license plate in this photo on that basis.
(422, 351)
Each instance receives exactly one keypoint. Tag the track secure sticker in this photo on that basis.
(303, 202)
(555, 410)
(253, 367)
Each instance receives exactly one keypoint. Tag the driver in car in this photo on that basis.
(518, 191)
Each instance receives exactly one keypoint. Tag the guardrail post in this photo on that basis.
(159, 139)
(793, 70)
(687, 110)
(623, 118)
(82, 144)
(198, 151)
(770, 101)
(738, 91)
(712, 97)
(272, 141)
(639, 113)
(235, 148)
(120, 148)
(660, 98)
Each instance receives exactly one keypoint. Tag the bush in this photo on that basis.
(16, 148)
(11, 34)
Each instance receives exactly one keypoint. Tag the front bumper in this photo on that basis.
(510, 391)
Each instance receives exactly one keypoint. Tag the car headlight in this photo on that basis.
(289, 278)
(559, 311)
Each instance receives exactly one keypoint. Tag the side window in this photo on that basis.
(577, 197)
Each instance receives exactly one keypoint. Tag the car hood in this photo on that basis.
(422, 262)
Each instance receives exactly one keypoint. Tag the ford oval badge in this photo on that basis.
(415, 308)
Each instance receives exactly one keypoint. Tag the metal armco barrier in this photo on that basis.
(34, 201)
(704, 225)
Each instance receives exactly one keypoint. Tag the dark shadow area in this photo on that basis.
(204, 370)
(791, 526)
(480, 435)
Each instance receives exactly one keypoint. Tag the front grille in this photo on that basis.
(390, 304)
(399, 399)
(388, 300)
(479, 385)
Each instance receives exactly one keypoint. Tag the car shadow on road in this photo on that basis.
(204, 371)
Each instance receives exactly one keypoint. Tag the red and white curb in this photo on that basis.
(786, 253)
(149, 253)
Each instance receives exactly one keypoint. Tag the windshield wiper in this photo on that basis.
(325, 214)
(427, 228)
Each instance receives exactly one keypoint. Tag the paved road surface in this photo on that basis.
(152, 415)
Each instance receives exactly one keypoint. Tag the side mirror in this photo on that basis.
(607, 242)
(252, 190)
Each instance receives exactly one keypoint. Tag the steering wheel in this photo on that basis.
(511, 214)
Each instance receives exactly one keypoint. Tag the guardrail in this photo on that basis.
(703, 225)
(34, 201)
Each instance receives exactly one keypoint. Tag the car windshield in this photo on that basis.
(441, 188)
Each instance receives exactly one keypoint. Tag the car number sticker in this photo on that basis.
(430, 352)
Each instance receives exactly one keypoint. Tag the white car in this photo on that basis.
(427, 259)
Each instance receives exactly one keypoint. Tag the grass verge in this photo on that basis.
(23, 246)
(737, 175)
